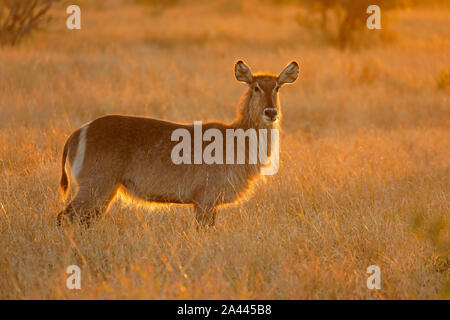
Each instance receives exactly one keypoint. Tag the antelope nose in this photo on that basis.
(271, 113)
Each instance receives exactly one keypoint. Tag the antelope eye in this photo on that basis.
(277, 88)
(256, 89)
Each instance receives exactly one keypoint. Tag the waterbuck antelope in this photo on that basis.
(133, 155)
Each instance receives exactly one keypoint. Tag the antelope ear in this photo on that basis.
(289, 74)
(242, 72)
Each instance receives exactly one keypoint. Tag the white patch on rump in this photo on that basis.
(81, 150)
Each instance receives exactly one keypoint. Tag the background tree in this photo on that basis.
(19, 18)
(342, 21)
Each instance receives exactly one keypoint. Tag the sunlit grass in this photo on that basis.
(364, 173)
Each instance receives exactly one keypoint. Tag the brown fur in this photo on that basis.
(134, 154)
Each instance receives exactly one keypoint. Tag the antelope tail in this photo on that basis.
(64, 183)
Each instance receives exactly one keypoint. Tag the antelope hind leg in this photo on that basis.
(88, 204)
(205, 216)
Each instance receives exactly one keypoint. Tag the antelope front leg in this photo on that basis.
(205, 216)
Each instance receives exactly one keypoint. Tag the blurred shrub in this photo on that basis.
(19, 18)
(342, 22)
(443, 80)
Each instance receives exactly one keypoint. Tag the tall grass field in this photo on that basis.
(364, 158)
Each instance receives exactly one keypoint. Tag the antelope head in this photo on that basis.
(261, 107)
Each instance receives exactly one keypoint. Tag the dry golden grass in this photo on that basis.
(364, 177)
